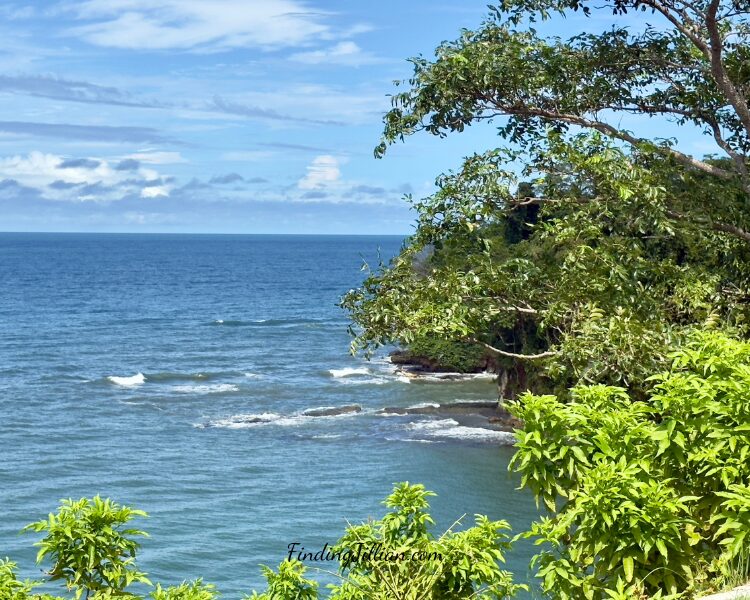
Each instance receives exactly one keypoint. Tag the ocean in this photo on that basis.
(171, 373)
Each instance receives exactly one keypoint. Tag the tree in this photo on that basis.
(614, 244)
(90, 549)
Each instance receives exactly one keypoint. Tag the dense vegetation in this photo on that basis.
(591, 264)
(650, 498)
(587, 258)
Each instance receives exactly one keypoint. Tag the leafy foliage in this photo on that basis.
(412, 564)
(397, 558)
(10, 587)
(187, 590)
(90, 549)
(288, 584)
(461, 357)
(394, 558)
(649, 498)
(595, 261)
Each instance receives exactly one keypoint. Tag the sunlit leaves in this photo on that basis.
(90, 547)
(652, 496)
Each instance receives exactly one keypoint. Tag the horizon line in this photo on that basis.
(198, 233)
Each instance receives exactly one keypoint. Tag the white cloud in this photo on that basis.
(157, 158)
(343, 53)
(322, 172)
(207, 25)
(95, 180)
(155, 191)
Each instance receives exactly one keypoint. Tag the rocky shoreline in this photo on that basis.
(489, 415)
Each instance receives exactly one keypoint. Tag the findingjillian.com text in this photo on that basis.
(360, 553)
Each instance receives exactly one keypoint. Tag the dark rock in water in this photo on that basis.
(333, 411)
(250, 420)
(452, 409)
(418, 373)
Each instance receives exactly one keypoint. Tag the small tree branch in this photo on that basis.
(739, 159)
(612, 131)
(513, 354)
(715, 225)
(726, 85)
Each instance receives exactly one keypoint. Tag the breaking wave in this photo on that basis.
(136, 379)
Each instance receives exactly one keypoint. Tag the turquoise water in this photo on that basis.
(170, 373)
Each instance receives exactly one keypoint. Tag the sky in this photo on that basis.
(220, 116)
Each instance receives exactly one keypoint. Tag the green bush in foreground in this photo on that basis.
(89, 548)
(649, 499)
(462, 564)
(394, 558)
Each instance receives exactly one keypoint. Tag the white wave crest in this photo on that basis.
(217, 388)
(424, 405)
(348, 372)
(365, 381)
(244, 421)
(449, 428)
(136, 379)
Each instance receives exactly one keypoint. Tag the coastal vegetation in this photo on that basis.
(646, 499)
(92, 550)
(607, 275)
(577, 251)
(607, 272)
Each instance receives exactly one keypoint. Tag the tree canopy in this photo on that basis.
(577, 250)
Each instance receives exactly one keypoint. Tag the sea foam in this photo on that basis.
(450, 429)
(218, 388)
(348, 372)
(136, 379)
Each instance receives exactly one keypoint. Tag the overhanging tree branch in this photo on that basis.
(620, 134)
(715, 225)
(513, 354)
(718, 69)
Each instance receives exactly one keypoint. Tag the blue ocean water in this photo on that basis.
(170, 372)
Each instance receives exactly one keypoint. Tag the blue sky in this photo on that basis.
(236, 116)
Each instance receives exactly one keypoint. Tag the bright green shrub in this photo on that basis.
(288, 584)
(406, 561)
(187, 590)
(90, 549)
(10, 587)
(650, 498)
